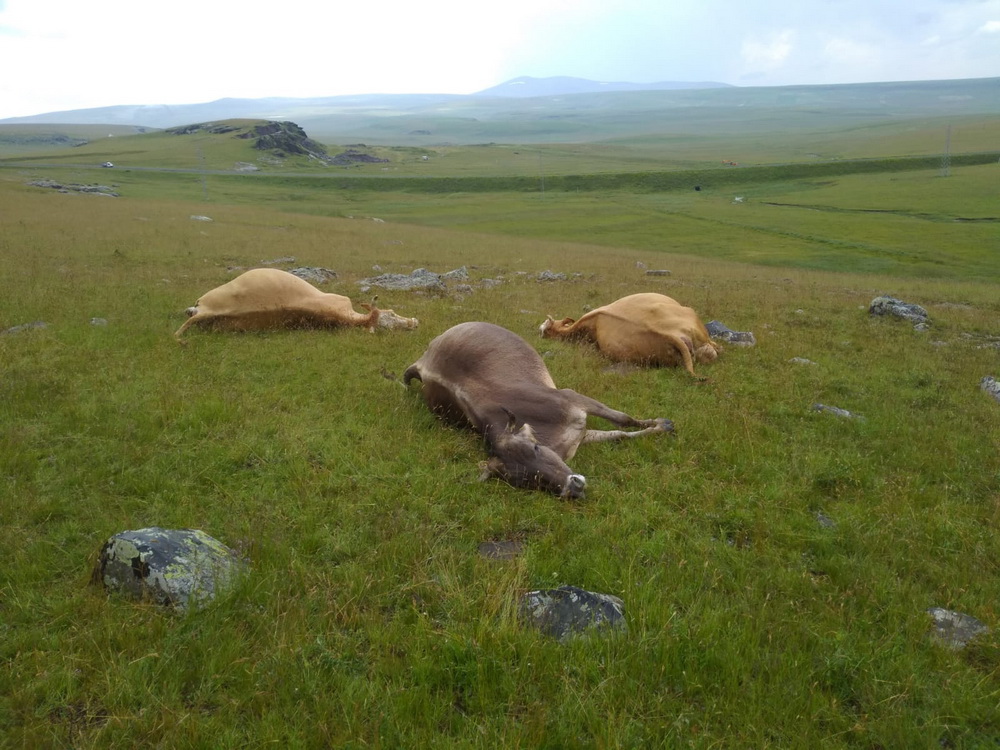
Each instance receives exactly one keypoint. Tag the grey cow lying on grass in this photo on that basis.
(486, 377)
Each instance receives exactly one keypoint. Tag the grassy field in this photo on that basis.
(368, 618)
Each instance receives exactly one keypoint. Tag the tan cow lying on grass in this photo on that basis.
(490, 379)
(648, 329)
(268, 298)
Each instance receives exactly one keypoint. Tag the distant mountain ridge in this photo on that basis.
(569, 110)
(278, 108)
(526, 86)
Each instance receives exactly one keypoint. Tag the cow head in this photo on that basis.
(522, 461)
(390, 320)
(552, 328)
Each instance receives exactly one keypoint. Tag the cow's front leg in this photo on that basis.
(595, 408)
(606, 436)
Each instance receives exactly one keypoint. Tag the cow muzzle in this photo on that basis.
(576, 487)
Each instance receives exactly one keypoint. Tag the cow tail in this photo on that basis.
(411, 372)
(682, 347)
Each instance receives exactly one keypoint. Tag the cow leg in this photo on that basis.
(595, 408)
(608, 436)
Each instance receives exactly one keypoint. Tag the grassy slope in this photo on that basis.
(369, 618)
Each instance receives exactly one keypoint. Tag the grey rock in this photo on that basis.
(720, 331)
(836, 411)
(657, 272)
(98, 321)
(458, 274)
(278, 261)
(505, 549)
(316, 275)
(195, 217)
(173, 567)
(990, 385)
(569, 611)
(801, 361)
(551, 276)
(825, 521)
(897, 308)
(26, 327)
(490, 283)
(420, 278)
(955, 629)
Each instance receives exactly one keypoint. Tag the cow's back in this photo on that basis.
(259, 289)
(634, 328)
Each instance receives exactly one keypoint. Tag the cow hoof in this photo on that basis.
(665, 425)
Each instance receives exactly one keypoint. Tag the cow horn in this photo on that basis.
(511, 419)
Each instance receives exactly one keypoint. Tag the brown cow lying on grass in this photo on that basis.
(486, 377)
(268, 298)
(648, 329)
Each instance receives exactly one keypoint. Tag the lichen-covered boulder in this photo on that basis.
(315, 275)
(721, 332)
(991, 386)
(419, 278)
(176, 567)
(955, 629)
(899, 309)
(568, 611)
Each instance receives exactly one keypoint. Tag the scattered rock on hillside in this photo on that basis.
(658, 272)
(836, 411)
(955, 629)
(279, 138)
(991, 386)
(897, 308)
(316, 275)
(504, 549)
(551, 276)
(354, 156)
(801, 361)
(419, 278)
(720, 331)
(198, 217)
(26, 327)
(175, 567)
(73, 187)
(278, 261)
(569, 611)
(98, 321)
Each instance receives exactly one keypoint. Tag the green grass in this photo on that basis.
(368, 618)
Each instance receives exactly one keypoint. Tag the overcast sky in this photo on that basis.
(71, 54)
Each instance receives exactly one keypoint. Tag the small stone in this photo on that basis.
(801, 361)
(897, 308)
(505, 549)
(657, 272)
(98, 322)
(27, 327)
(720, 331)
(836, 411)
(569, 611)
(955, 629)
(201, 218)
(990, 385)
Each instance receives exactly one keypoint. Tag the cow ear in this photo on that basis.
(490, 468)
(567, 321)
(527, 432)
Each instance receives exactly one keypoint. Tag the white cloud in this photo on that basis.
(770, 52)
(990, 27)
